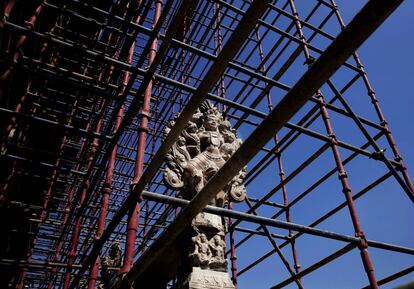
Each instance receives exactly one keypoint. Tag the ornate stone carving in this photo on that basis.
(217, 248)
(112, 260)
(114, 257)
(207, 279)
(204, 146)
(201, 255)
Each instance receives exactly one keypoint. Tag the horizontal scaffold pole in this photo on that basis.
(358, 30)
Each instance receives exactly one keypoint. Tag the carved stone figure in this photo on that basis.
(201, 150)
(204, 146)
(202, 253)
(218, 247)
(114, 257)
(114, 260)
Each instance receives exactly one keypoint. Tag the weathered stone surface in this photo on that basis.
(207, 251)
(209, 221)
(113, 259)
(201, 150)
(207, 279)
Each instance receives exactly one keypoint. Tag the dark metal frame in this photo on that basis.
(110, 111)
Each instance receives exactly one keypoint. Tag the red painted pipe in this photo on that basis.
(76, 230)
(48, 192)
(377, 108)
(280, 164)
(16, 57)
(233, 257)
(66, 219)
(21, 41)
(133, 215)
(346, 188)
(94, 272)
(8, 8)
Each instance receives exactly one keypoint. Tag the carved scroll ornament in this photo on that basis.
(201, 150)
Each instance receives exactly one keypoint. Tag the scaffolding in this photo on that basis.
(87, 88)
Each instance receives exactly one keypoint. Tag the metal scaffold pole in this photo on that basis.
(98, 99)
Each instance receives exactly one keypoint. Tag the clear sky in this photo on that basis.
(388, 57)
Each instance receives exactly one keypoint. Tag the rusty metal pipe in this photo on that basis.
(133, 215)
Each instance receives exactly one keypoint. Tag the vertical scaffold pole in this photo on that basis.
(374, 100)
(133, 215)
(343, 177)
(280, 164)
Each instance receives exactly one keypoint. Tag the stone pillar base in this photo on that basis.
(207, 279)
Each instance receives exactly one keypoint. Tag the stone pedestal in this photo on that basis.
(207, 279)
(208, 222)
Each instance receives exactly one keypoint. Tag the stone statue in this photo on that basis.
(202, 254)
(114, 257)
(218, 247)
(112, 260)
(204, 146)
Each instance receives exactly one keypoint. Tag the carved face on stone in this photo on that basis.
(217, 239)
(203, 237)
(211, 122)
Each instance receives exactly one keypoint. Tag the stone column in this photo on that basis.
(207, 265)
(202, 149)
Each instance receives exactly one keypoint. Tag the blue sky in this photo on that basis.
(386, 215)
(389, 60)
